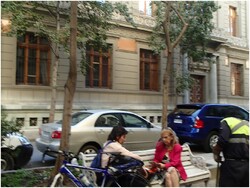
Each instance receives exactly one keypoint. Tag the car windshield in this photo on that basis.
(77, 117)
(185, 110)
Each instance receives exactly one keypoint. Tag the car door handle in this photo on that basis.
(131, 131)
(101, 131)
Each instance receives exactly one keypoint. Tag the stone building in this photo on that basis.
(129, 76)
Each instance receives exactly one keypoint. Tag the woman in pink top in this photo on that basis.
(168, 157)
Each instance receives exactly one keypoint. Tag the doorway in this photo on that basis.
(197, 90)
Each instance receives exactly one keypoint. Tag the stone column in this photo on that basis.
(186, 92)
(213, 81)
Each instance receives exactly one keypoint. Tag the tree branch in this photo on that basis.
(185, 25)
(165, 25)
(48, 8)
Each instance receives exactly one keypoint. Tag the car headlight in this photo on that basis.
(24, 141)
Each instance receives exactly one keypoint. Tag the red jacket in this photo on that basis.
(174, 157)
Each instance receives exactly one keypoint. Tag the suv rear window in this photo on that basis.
(185, 109)
(226, 111)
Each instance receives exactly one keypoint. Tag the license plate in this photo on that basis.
(177, 120)
(45, 133)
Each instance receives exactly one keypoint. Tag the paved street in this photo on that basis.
(36, 159)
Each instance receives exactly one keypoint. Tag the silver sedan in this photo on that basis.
(90, 129)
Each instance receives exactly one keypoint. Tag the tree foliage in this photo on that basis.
(186, 24)
(198, 15)
(8, 126)
(183, 82)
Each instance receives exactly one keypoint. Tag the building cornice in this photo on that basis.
(146, 23)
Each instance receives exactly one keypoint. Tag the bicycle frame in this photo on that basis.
(65, 170)
(88, 176)
(69, 174)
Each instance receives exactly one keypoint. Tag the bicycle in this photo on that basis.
(117, 175)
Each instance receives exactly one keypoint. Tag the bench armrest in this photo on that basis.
(198, 161)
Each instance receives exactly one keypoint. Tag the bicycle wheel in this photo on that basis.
(128, 180)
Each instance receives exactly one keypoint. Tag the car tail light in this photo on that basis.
(40, 131)
(56, 134)
(198, 124)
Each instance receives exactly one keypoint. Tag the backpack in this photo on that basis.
(97, 161)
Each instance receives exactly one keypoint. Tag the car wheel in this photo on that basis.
(211, 140)
(89, 149)
(7, 161)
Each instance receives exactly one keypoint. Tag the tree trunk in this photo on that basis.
(53, 91)
(166, 81)
(69, 88)
(54, 73)
(170, 49)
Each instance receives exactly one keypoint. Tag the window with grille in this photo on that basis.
(236, 79)
(33, 122)
(20, 121)
(33, 60)
(98, 72)
(149, 70)
(232, 21)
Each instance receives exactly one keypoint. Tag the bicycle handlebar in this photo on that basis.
(68, 155)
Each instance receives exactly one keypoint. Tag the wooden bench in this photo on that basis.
(195, 166)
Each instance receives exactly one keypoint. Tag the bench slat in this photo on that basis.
(186, 163)
(196, 172)
(185, 158)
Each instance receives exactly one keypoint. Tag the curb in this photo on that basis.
(35, 168)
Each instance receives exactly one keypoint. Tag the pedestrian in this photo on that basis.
(168, 158)
(233, 142)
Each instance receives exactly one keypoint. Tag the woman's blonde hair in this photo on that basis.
(171, 133)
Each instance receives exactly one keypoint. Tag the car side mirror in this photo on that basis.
(149, 125)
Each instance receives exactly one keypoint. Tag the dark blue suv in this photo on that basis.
(200, 123)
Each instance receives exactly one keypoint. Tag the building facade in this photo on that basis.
(127, 76)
